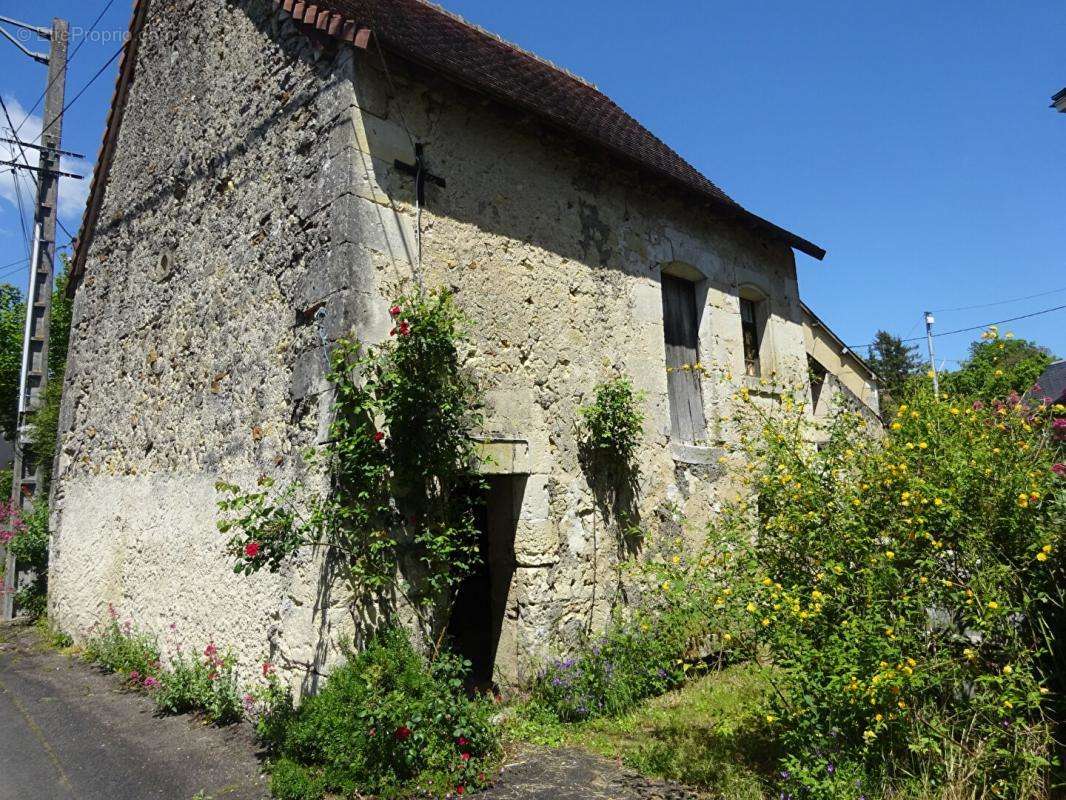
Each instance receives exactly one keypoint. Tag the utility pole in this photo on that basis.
(34, 374)
(929, 320)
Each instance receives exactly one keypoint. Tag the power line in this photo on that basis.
(1000, 302)
(14, 263)
(975, 327)
(84, 39)
(84, 88)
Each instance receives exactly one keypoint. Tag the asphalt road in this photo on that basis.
(69, 732)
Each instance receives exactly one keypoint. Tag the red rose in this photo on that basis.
(403, 732)
(251, 550)
(378, 436)
(395, 311)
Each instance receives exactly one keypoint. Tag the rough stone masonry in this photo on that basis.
(254, 178)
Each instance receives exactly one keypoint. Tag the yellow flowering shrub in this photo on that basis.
(904, 589)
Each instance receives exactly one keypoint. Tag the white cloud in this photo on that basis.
(72, 193)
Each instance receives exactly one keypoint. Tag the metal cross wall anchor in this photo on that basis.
(419, 172)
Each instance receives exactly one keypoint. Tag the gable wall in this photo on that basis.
(253, 180)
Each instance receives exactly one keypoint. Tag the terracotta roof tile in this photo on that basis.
(443, 42)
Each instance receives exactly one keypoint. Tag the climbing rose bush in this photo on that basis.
(906, 590)
(400, 463)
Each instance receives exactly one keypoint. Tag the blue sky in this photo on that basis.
(912, 140)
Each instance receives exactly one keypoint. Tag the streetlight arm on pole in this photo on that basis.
(44, 33)
(40, 58)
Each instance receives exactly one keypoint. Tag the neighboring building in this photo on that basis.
(1052, 384)
(257, 167)
(1058, 101)
(838, 377)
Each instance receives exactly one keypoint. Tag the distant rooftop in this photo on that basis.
(1059, 101)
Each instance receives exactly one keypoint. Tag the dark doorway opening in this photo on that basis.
(480, 608)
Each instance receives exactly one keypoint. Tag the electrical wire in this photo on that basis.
(999, 302)
(977, 327)
(22, 213)
(83, 89)
(70, 58)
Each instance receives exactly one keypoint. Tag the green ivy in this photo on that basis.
(400, 460)
(612, 424)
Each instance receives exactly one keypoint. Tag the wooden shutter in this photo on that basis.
(681, 332)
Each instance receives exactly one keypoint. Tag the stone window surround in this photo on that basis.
(750, 288)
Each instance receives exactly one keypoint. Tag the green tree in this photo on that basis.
(12, 319)
(998, 366)
(895, 363)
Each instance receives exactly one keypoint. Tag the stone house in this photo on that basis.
(838, 376)
(266, 160)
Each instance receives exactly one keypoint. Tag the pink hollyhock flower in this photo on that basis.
(403, 732)
(251, 550)
(395, 311)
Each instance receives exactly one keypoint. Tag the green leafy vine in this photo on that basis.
(400, 461)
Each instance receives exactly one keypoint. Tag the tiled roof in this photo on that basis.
(433, 38)
(1053, 383)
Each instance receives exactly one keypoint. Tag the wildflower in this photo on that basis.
(395, 311)
(969, 653)
(770, 719)
(402, 733)
(992, 604)
(1041, 556)
(896, 426)
(251, 550)
(267, 668)
(464, 756)
(151, 683)
(1059, 469)
(923, 445)
(889, 555)
(1007, 670)
(752, 608)
(1023, 500)
(211, 650)
(379, 436)
(459, 789)
(404, 328)
(1046, 548)
(868, 735)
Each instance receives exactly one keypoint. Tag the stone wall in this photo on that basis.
(255, 181)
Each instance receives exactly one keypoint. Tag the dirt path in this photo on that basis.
(70, 732)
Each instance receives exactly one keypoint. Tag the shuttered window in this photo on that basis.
(681, 332)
